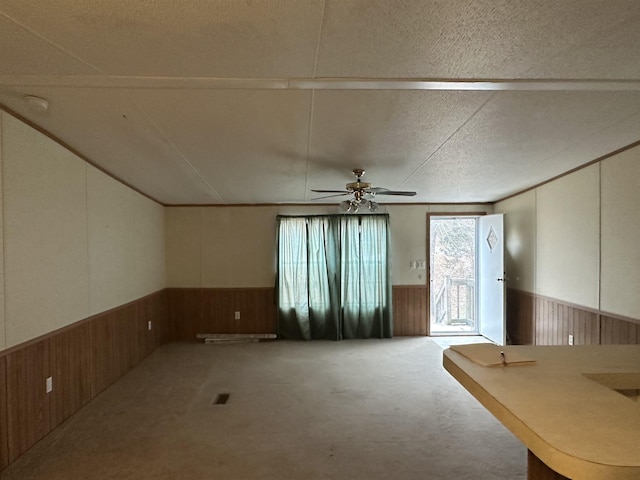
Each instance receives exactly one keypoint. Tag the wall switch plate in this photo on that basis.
(149, 324)
(49, 384)
(237, 316)
(570, 339)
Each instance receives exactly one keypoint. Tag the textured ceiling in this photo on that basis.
(245, 102)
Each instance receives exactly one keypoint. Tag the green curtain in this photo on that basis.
(293, 279)
(366, 289)
(333, 278)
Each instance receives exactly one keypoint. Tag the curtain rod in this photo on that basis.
(335, 215)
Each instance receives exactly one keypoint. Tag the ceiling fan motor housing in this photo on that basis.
(355, 186)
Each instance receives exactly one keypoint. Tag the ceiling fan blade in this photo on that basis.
(331, 191)
(391, 192)
(385, 191)
(330, 196)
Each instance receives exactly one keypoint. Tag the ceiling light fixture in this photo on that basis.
(353, 205)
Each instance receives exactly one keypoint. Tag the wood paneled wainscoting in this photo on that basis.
(4, 429)
(520, 317)
(83, 359)
(616, 330)
(212, 310)
(410, 310)
(538, 320)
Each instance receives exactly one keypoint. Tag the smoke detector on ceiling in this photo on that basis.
(37, 104)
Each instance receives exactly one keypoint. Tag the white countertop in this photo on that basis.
(577, 426)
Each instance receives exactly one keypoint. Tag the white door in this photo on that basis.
(491, 288)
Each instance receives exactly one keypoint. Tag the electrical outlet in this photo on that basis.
(49, 384)
(237, 316)
(149, 324)
(570, 339)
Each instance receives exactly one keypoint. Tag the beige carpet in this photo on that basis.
(372, 409)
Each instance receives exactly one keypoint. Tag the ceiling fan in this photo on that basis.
(359, 189)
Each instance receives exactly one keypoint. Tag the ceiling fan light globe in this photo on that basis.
(373, 206)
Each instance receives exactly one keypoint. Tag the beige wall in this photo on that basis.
(235, 246)
(225, 247)
(621, 234)
(520, 240)
(76, 242)
(126, 243)
(577, 239)
(184, 242)
(110, 240)
(149, 273)
(45, 233)
(567, 238)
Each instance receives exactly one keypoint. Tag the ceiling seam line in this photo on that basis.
(317, 52)
(174, 147)
(306, 182)
(313, 97)
(52, 43)
(447, 139)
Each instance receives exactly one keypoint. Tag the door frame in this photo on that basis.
(428, 263)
